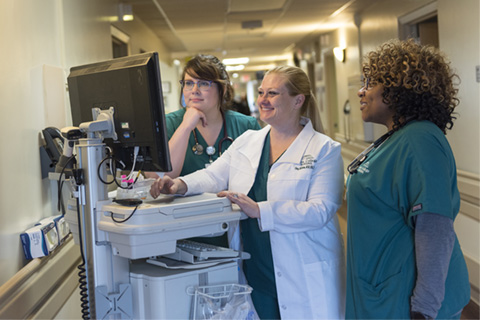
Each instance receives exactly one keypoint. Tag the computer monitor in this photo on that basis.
(132, 86)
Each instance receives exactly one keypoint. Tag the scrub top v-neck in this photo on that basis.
(236, 123)
(259, 269)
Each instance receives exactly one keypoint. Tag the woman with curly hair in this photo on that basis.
(403, 257)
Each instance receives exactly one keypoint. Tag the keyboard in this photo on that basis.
(203, 251)
(191, 254)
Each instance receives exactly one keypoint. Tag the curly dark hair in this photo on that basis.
(209, 67)
(418, 82)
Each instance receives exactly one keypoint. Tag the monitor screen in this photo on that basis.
(132, 86)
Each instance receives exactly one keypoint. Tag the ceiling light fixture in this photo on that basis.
(339, 53)
(125, 12)
(234, 61)
(235, 68)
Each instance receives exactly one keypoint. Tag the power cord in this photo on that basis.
(136, 149)
(82, 275)
(60, 204)
(124, 220)
(113, 168)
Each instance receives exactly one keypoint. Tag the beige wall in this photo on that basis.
(41, 41)
(144, 39)
(463, 49)
(37, 49)
(380, 23)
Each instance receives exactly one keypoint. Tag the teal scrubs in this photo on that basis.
(236, 124)
(412, 172)
(259, 269)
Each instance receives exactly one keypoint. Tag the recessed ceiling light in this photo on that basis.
(233, 61)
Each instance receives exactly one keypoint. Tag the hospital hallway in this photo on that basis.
(49, 46)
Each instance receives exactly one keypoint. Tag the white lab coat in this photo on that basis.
(304, 191)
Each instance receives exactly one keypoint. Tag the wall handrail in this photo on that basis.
(28, 293)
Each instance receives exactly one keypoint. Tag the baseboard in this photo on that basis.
(469, 187)
(474, 276)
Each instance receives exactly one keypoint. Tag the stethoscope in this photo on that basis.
(210, 150)
(353, 167)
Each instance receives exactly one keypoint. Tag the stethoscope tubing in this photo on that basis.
(225, 137)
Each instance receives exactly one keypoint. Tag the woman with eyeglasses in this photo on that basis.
(403, 259)
(199, 133)
(288, 179)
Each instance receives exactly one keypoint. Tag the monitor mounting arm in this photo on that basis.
(102, 125)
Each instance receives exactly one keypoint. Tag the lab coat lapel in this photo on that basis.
(252, 148)
(248, 150)
(295, 152)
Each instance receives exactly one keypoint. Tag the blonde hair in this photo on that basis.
(297, 82)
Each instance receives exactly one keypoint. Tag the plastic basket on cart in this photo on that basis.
(227, 301)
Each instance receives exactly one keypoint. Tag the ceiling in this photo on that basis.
(263, 30)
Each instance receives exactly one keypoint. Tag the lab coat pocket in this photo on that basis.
(384, 300)
(303, 179)
(325, 282)
(291, 184)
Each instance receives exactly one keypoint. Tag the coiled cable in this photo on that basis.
(82, 273)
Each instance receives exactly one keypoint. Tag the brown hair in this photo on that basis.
(208, 67)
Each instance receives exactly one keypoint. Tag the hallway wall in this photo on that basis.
(41, 41)
(34, 63)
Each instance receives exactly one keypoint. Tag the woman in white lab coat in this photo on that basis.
(288, 178)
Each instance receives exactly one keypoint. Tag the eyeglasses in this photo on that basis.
(367, 83)
(202, 85)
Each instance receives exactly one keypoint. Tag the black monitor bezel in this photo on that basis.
(154, 153)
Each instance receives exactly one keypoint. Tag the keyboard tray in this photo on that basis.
(194, 252)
